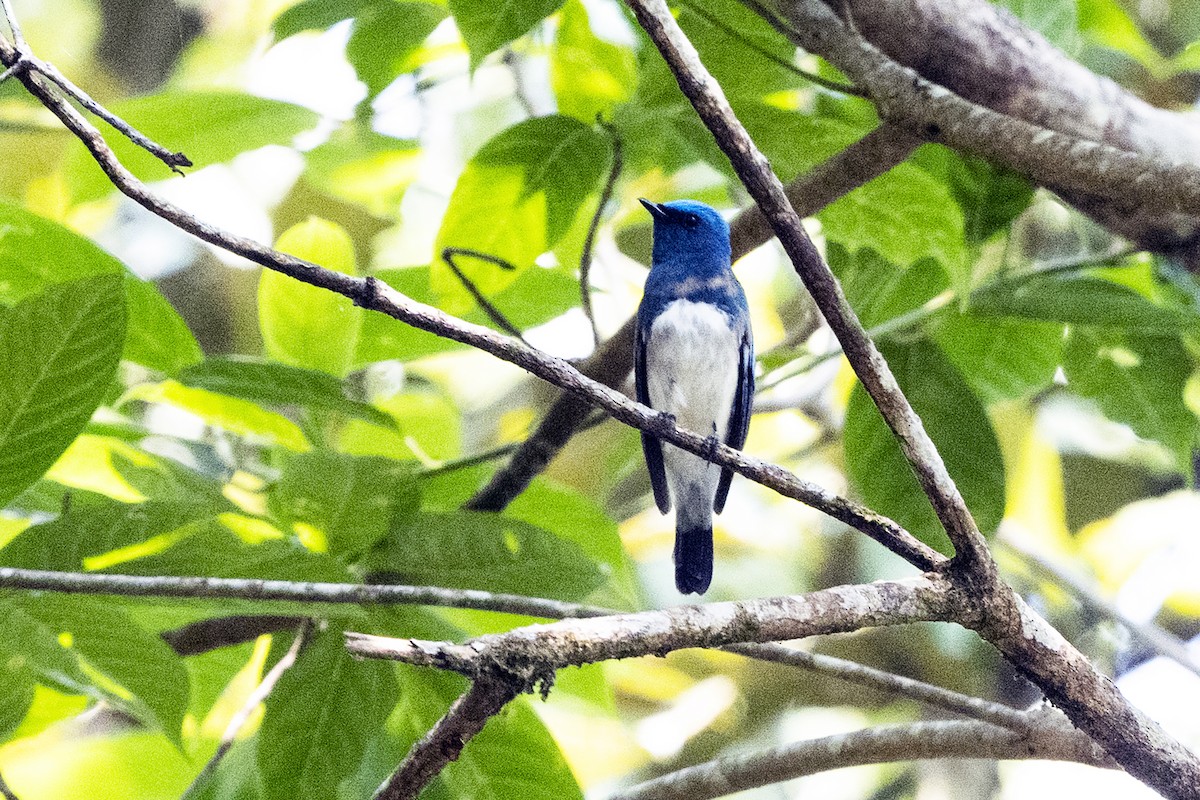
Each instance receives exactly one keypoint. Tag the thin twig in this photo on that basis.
(5, 791)
(585, 257)
(497, 316)
(21, 63)
(172, 159)
(733, 33)
(242, 715)
(470, 712)
(13, 25)
(973, 707)
(287, 591)
(907, 742)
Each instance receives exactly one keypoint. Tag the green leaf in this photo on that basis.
(878, 290)
(16, 692)
(590, 76)
(517, 197)
(59, 353)
(577, 519)
(958, 425)
(209, 127)
(316, 15)
(1107, 23)
(487, 26)
(1057, 20)
(93, 525)
(1138, 379)
(990, 196)
(306, 326)
(276, 384)
(228, 413)
(214, 550)
(537, 296)
(1001, 357)
(320, 718)
(36, 253)
(363, 167)
(385, 35)
(351, 502)
(1075, 299)
(158, 337)
(905, 214)
(468, 550)
(140, 673)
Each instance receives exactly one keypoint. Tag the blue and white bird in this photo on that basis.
(694, 359)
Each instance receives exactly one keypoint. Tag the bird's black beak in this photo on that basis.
(656, 210)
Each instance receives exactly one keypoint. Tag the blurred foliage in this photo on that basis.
(1056, 371)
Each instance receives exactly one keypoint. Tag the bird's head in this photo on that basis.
(688, 229)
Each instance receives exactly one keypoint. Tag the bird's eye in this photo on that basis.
(691, 220)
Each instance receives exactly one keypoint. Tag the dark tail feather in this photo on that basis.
(693, 557)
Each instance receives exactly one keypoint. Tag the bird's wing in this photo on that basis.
(651, 447)
(739, 414)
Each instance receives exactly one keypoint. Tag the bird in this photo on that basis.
(693, 360)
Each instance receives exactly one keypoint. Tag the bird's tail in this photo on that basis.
(693, 552)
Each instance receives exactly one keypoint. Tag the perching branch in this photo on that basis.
(374, 295)
(242, 715)
(909, 742)
(469, 713)
(859, 163)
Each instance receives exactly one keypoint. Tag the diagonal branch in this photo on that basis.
(908, 742)
(486, 698)
(373, 294)
(858, 164)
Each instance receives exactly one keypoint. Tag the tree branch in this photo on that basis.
(242, 715)
(532, 654)
(469, 713)
(859, 163)
(909, 742)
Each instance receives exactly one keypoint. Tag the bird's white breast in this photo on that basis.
(692, 366)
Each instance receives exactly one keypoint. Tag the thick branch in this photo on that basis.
(1152, 180)
(533, 653)
(1093, 702)
(859, 163)
(870, 367)
(909, 742)
(979, 51)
